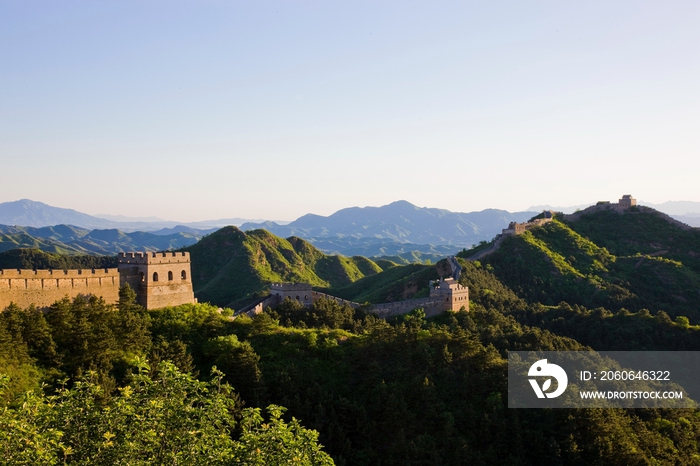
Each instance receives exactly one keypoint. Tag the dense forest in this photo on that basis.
(92, 383)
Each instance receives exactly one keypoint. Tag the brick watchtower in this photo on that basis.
(452, 295)
(159, 278)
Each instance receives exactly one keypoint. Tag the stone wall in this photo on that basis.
(316, 295)
(44, 287)
(445, 294)
(515, 228)
(432, 306)
(159, 279)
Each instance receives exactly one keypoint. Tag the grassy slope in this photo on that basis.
(558, 262)
(394, 284)
(25, 241)
(643, 233)
(230, 267)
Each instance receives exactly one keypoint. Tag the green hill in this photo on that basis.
(636, 260)
(641, 231)
(230, 267)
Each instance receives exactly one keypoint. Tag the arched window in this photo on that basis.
(183, 275)
(155, 276)
(170, 276)
(297, 298)
(142, 276)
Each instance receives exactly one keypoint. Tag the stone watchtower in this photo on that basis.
(451, 294)
(159, 278)
(627, 201)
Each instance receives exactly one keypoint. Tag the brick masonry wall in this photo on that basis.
(44, 287)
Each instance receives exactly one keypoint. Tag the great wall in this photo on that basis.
(445, 294)
(163, 279)
(159, 279)
(514, 228)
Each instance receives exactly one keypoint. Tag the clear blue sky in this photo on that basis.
(210, 109)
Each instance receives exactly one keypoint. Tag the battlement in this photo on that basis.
(148, 258)
(301, 292)
(44, 287)
(79, 273)
(448, 285)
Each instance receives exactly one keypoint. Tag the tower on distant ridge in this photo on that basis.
(627, 201)
(159, 278)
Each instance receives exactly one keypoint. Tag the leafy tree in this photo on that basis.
(276, 442)
(162, 417)
(241, 363)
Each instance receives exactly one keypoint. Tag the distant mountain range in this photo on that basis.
(67, 239)
(400, 222)
(30, 213)
(400, 231)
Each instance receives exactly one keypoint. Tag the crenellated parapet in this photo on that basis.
(44, 287)
(301, 292)
(147, 258)
(78, 273)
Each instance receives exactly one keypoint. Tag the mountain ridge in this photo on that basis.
(634, 260)
(68, 239)
(231, 267)
(29, 213)
(401, 222)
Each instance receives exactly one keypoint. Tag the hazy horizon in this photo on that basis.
(676, 210)
(193, 111)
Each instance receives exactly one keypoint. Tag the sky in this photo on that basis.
(217, 109)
